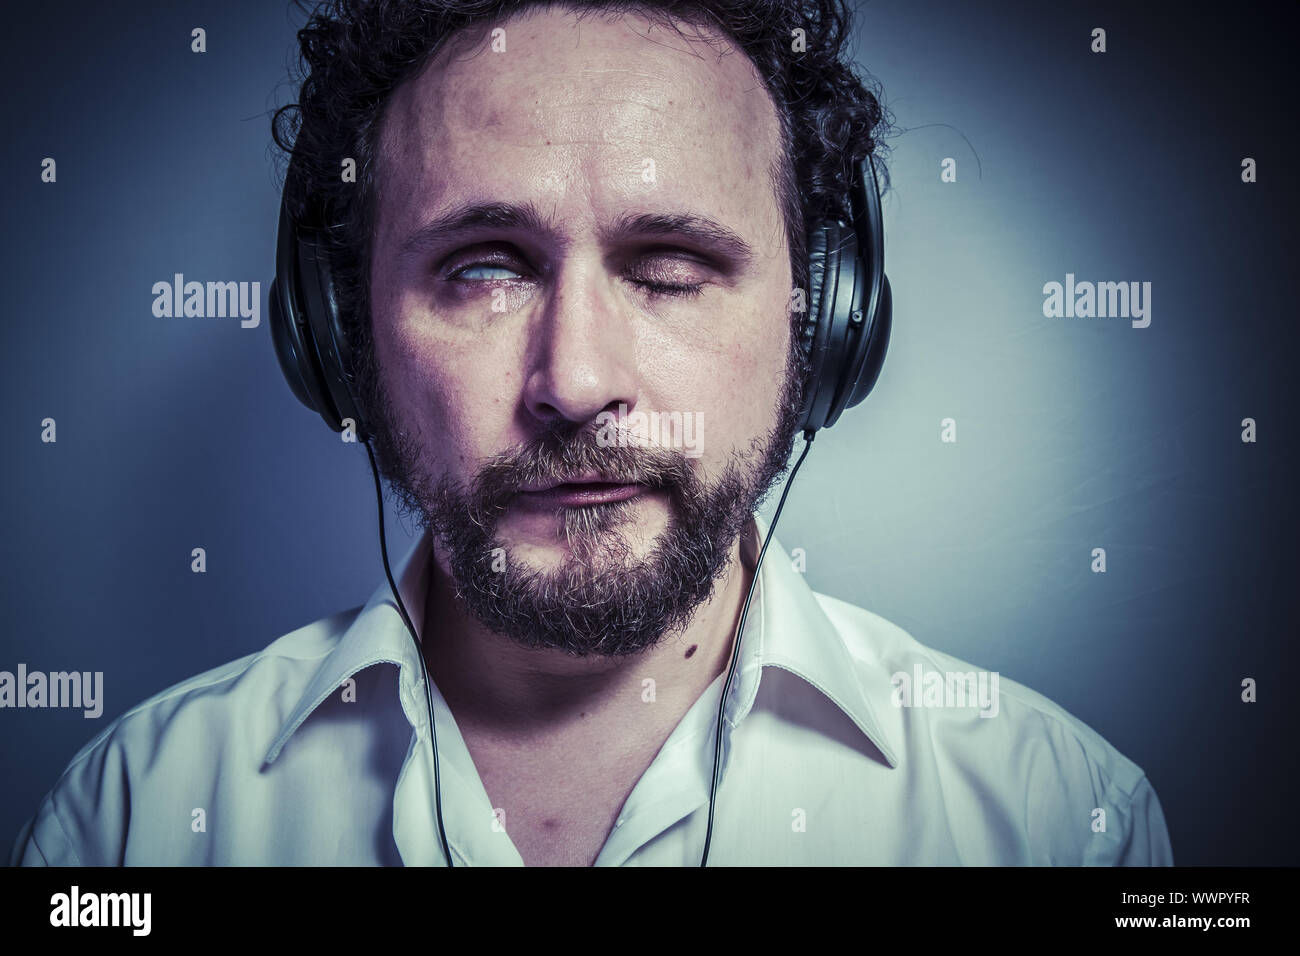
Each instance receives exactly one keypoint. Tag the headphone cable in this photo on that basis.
(735, 648)
(428, 688)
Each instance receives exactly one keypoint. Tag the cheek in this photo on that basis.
(759, 371)
(732, 377)
(452, 393)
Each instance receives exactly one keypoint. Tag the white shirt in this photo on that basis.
(273, 759)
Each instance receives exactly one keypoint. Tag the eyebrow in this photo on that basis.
(709, 234)
(701, 230)
(469, 216)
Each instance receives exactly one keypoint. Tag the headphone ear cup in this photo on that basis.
(306, 328)
(871, 352)
(292, 331)
(835, 275)
(295, 356)
(854, 307)
(816, 279)
(330, 339)
(814, 326)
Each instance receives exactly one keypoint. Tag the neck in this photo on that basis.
(500, 689)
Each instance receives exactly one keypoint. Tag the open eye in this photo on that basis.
(474, 273)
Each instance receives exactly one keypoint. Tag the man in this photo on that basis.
(565, 217)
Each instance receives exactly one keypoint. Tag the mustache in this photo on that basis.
(565, 453)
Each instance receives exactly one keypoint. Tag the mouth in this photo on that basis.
(579, 493)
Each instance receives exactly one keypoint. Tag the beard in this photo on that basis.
(601, 598)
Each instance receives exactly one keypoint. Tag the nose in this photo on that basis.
(582, 358)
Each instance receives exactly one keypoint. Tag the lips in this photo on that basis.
(580, 492)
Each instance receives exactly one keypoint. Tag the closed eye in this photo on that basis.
(671, 289)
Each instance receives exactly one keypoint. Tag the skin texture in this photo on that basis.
(565, 120)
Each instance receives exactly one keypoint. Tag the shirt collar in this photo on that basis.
(377, 635)
(793, 633)
(796, 635)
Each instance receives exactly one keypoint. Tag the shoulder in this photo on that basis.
(195, 730)
(1076, 796)
(894, 659)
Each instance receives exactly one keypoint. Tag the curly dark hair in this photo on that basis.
(354, 53)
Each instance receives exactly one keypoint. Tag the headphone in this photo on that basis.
(843, 334)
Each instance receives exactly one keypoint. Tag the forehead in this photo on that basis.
(595, 113)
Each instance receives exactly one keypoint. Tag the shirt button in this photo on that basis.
(619, 823)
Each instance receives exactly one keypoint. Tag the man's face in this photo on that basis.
(572, 230)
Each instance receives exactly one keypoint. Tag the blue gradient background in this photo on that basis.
(1072, 433)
